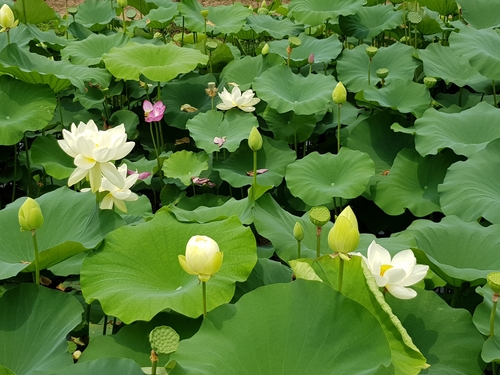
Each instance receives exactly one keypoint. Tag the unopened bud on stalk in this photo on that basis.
(430, 82)
(255, 140)
(319, 215)
(339, 94)
(298, 231)
(310, 59)
(265, 49)
(122, 3)
(30, 215)
(204, 13)
(371, 51)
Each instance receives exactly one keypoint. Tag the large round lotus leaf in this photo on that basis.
(480, 14)
(285, 91)
(187, 90)
(158, 18)
(89, 51)
(244, 71)
(456, 250)
(34, 323)
(157, 63)
(73, 224)
(276, 28)
(292, 328)
(443, 7)
(34, 11)
(446, 336)
(137, 274)
(220, 20)
(234, 126)
(315, 12)
(481, 47)
(273, 156)
(431, 22)
(466, 132)
(442, 62)
(352, 66)
(401, 95)
(24, 108)
(106, 365)
(412, 183)
(20, 36)
(368, 22)
(95, 14)
(348, 115)
(318, 178)
(48, 37)
(471, 189)
(325, 50)
(185, 165)
(33, 68)
(289, 126)
(47, 152)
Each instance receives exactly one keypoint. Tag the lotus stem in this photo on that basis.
(341, 273)
(254, 181)
(27, 164)
(182, 32)
(493, 313)
(369, 69)
(318, 242)
(15, 173)
(494, 94)
(338, 127)
(124, 21)
(8, 35)
(154, 362)
(37, 257)
(105, 325)
(204, 292)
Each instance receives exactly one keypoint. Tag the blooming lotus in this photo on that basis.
(153, 112)
(203, 257)
(395, 274)
(245, 101)
(118, 194)
(7, 20)
(93, 151)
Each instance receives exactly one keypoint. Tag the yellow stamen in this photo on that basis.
(383, 268)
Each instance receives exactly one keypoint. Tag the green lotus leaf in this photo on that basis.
(127, 118)
(401, 95)
(34, 11)
(47, 152)
(158, 18)
(25, 107)
(431, 22)
(481, 319)
(352, 66)
(368, 22)
(436, 130)
(480, 14)
(109, 366)
(187, 90)
(306, 312)
(89, 51)
(285, 91)
(315, 12)
(288, 126)
(412, 183)
(143, 165)
(223, 19)
(95, 14)
(33, 68)
(245, 70)
(233, 125)
(276, 28)
(20, 36)
(348, 115)
(116, 275)
(446, 336)
(73, 224)
(48, 37)
(480, 47)
(443, 7)
(34, 323)
(143, 6)
(185, 165)
(456, 250)
(471, 188)
(273, 156)
(157, 63)
(318, 178)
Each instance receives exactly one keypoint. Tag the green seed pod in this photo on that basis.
(319, 215)
(494, 281)
(298, 231)
(294, 42)
(382, 73)
(414, 17)
(212, 46)
(164, 340)
(73, 10)
(371, 51)
(262, 11)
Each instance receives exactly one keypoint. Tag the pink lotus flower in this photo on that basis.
(153, 112)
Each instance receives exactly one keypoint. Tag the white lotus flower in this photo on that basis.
(245, 101)
(93, 150)
(397, 273)
(119, 194)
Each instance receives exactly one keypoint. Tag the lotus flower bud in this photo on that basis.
(319, 215)
(371, 51)
(122, 3)
(344, 236)
(265, 49)
(263, 4)
(493, 279)
(310, 59)
(7, 20)
(204, 13)
(157, 35)
(255, 140)
(203, 257)
(294, 42)
(430, 82)
(339, 94)
(382, 73)
(30, 215)
(298, 231)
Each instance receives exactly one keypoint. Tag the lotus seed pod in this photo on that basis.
(262, 11)
(30, 215)
(382, 73)
(212, 46)
(265, 49)
(73, 10)
(122, 3)
(414, 17)
(255, 140)
(294, 42)
(204, 13)
(339, 94)
(164, 340)
(319, 215)
(494, 281)
(298, 231)
(430, 82)
(371, 51)
(157, 35)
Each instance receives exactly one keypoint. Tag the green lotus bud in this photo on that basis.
(298, 231)
(164, 340)
(344, 235)
(294, 42)
(250, 8)
(157, 35)
(30, 215)
(430, 82)
(371, 51)
(319, 215)
(255, 140)
(265, 49)
(7, 19)
(262, 11)
(339, 94)
(382, 73)
(122, 3)
(493, 279)
(263, 4)
(204, 13)
(212, 46)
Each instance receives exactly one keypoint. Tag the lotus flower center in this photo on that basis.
(383, 268)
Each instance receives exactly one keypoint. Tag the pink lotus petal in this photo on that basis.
(219, 141)
(153, 112)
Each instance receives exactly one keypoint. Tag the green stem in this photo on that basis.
(341, 273)
(8, 36)
(60, 110)
(298, 249)
(369, 70)
(494, 94)
(338, 128)
(153, 367)
(318, 242)
(204, 291)
(182, 32)
(27, 164)
(155, 147)
(124, 21)
(493, 313)
(254, 181)
(37, 257)
(295, 136)
(457, 293)
(15, 173)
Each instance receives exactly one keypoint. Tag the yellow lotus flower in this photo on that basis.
(203, 257)
(344, 235)
(7, 20)
(30, 215)
(244, 101)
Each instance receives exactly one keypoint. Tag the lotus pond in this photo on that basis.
(300, 188)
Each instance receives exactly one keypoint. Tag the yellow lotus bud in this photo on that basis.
(265, 49)
(203, 257)
(319, 215)
(344, 236)
(493, 279)
(255, 140)
(339, 94)
(122, 3)
(30, 215)
(298, 231)
(7, 20)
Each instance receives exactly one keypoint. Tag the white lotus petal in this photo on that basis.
(401, 292)
(419, 272)
(107, 203)
(77, 175)
(395, 275)
(111, 173)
